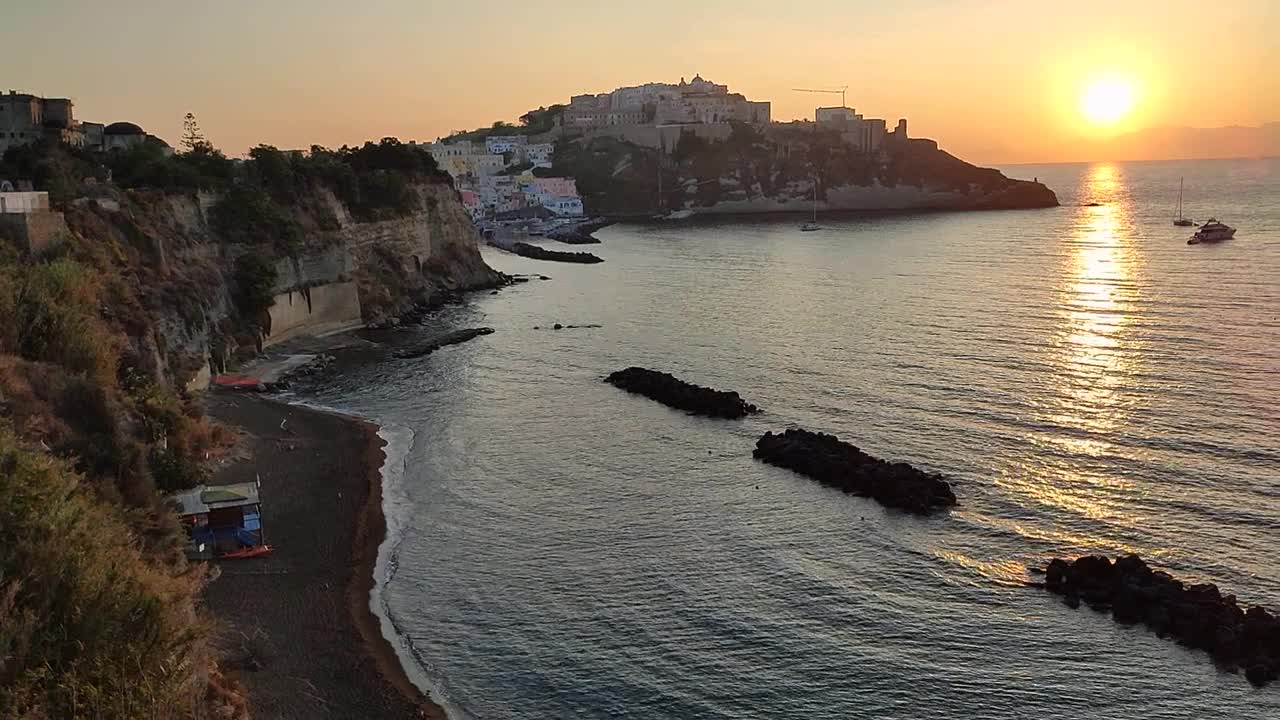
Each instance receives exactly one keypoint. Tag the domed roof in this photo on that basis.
(123, 128)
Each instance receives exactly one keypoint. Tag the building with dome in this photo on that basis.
(26, 119)
(122, 136)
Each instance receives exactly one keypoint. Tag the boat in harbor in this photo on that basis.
(1212, 231)
(1181, 221)
(813, 224)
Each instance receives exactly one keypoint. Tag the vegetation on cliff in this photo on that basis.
(169, 262)
(89, 625)
(98, 610)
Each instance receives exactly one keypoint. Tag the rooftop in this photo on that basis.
(201, 498)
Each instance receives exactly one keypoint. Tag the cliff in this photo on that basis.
(159, 267)
(355, 272)
(752, 170)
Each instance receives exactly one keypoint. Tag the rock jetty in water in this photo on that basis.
(578, 233)
(831, 461)
(539, 253)
(1197, 616)
(674, 392)
(434, 344)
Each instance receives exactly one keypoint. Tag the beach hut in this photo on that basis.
(222, 521)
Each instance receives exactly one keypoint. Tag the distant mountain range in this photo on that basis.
(1186, 143)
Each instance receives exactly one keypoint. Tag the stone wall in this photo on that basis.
(34, 232)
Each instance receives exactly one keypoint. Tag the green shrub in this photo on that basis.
(247, 215)
(88, 629)
(255, 281)
(172, 471)
(49, 312)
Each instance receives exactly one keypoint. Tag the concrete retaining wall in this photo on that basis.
(34, 232)
(314, 311)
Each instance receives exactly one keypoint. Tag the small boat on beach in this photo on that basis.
(1212, 231)
(248, 552)
(1181, 221)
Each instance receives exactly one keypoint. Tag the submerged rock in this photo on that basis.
(1197, 616)
(833, 462)
(674, 392)
(434, 344)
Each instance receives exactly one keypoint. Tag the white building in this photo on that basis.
(866, 134)
(539, 154)
(564, 206)
(835, 115)
(499, 144)
(23, 203)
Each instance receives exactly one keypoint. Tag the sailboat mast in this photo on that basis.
(1180, 181)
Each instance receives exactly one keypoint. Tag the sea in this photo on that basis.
(558, 548)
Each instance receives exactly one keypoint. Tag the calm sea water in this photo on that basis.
(563, 549)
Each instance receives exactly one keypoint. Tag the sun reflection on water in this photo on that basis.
(1094, 354)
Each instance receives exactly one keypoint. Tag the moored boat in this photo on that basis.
(1212, 231)
(1181, 221)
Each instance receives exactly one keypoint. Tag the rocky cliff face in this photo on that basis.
(173, 286)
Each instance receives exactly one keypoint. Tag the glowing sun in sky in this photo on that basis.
(1107, 101)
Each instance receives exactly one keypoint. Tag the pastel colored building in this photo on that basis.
(556, 187)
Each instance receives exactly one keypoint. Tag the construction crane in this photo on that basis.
(830, 91)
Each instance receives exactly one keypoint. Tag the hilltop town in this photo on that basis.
(695, 147)
(506, 172)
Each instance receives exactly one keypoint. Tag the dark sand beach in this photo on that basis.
(295, 627)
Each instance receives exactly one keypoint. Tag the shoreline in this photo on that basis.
(370, 534)
(298, 627)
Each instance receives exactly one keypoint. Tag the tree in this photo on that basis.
(192, 139)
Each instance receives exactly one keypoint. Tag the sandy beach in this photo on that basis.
(295, 627)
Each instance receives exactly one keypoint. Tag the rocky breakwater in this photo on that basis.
(832, 462)
(578, 233)
(452, 338)
(674, 392)
(1197, 616)
(533, 251)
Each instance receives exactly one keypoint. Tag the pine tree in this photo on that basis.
(192, 139)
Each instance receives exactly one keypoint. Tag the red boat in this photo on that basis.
(249, 552)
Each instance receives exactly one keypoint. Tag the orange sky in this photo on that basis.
(992, 80)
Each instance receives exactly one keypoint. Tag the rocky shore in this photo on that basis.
(832, 462)
(674, 392)
(1197, 616)
(538, 253)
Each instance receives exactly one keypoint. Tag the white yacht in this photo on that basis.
(1212, 231)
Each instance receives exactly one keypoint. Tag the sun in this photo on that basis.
(1107, 101)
